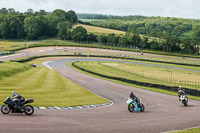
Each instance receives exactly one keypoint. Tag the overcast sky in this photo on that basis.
(165, 8)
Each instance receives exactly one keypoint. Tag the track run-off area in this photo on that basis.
(162, 112)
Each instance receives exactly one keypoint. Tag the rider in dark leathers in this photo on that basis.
(17, 100)
(132, 96)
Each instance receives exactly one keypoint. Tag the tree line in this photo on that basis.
(178, 34)
(33, 25)
(41, 25)
(154, 33)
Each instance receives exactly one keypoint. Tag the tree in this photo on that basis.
(101, 39)
(4, 11)
(79, 33)
(40, 13)
(196, 37)
(123, 40)
(32, 28)
(112, 39)
(11, 26)
(188, 47)
(29, 13)
(60, 14)
(134, 39)
(71, 16)
(64, 30)
(91, 37)
(145, 43)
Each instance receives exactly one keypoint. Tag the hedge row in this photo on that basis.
(193, 92)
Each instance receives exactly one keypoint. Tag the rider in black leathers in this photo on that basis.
(132, 96)
(17, 100)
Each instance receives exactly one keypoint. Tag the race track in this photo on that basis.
(162, 112)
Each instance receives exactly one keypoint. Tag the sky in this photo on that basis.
(164, 8)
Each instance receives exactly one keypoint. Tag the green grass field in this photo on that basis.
(149, 74)
(133, 85)
(45, 86)
(195, 130)
(6, 44)
(94, 29)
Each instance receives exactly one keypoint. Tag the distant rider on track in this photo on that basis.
(181, 91)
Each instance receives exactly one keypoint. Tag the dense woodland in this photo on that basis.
(175, 34)
(153, 33)
(33, 25)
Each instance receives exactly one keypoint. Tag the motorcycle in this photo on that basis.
(184, 99)
(134, 106)
(9, 106)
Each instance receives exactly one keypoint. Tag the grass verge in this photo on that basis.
(195, 130)
(142, 87)
(143, 73)
(47, 88)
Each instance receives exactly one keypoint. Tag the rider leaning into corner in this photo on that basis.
(181, 91)
(17, 99)
(133, 96)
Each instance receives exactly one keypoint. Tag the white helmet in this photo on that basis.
(14, 94)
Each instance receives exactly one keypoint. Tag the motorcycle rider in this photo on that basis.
(181, 91)
(134, 98)
(17, 99)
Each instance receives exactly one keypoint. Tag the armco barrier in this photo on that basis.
(193, 92)
(6, 53)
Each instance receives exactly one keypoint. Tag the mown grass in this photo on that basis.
(153, 72)
(95, 29)
(7, 44)
(195, 130)
(8, 69)
(47, 88)
(170, 65)
(142, 73)
(133, 85)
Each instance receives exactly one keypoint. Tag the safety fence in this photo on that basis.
(165, 79)
(193, 92)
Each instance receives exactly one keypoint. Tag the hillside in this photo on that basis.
(94, 29)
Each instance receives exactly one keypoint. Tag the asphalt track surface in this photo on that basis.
(162, 112)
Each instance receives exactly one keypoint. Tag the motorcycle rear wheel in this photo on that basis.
(131, 107)
(5, 109)
(29, 110)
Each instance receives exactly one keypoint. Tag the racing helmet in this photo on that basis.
(132, 94)
(14, 94)
(180, 87)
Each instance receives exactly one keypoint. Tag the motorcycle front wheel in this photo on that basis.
(131, 107)
(5, 109)
(29, 110)
(142, 107)
(184, 102)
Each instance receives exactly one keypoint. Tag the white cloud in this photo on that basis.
(171, 8)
